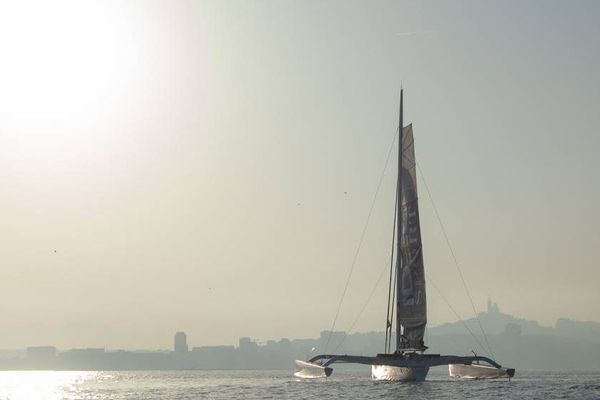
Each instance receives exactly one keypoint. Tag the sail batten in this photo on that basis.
(411, 307)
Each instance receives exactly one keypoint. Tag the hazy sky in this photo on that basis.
(182, 165)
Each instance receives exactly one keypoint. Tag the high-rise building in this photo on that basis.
(247, 344)
(180, 346)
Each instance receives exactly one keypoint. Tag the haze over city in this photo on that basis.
(208, 167)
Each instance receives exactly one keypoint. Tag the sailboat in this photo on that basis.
(408, 361)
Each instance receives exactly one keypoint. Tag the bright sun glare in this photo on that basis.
(64, 65)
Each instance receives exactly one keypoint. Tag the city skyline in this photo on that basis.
(491, 324)
(509, 335)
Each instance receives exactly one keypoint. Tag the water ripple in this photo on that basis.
(220, 385)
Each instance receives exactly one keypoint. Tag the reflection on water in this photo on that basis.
(42, 385)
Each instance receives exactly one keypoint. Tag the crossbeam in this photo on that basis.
(403, 360)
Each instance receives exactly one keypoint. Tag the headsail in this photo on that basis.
(411, 303)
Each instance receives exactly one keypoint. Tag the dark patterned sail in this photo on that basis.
(411, 302)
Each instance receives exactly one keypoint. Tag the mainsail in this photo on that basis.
(411, 303)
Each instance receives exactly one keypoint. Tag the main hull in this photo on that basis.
(398, 374)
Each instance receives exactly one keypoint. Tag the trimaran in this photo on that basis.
(408, 362)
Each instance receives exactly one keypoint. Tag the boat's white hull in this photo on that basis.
(475, 371)
(398, 374)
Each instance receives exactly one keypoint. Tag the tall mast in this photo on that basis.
(399, 228)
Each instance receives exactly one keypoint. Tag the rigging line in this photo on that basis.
(455, 313)
(360, 242)
(364, 307)
(455, 260)
(388, 316)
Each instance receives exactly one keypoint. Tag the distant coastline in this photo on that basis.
(524, 344)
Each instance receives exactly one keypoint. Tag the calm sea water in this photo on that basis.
(281, 385)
